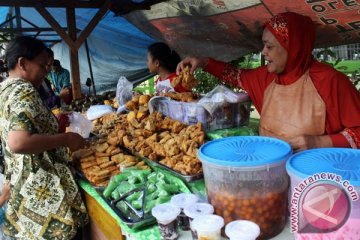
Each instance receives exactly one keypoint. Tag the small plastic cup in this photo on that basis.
(208, 226)
(182, 200)
(195, 210)
(166, 215)
(242, 230)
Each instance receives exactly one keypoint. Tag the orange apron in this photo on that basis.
(292, 110)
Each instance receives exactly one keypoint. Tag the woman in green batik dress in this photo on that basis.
(45, 202)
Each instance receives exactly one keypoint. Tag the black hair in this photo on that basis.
(24, 46)
(167, 57)
(3, 67)
(50, 52)
(56, 63)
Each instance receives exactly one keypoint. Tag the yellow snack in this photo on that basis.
(107, 102)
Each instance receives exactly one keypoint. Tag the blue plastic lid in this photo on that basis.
(245, 151)
(344, 162)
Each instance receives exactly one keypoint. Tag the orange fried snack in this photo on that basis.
(186, 79)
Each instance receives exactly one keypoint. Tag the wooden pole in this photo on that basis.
(74, 56)
(56, 26)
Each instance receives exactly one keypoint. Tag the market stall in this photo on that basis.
(155, 140)
(141, 159)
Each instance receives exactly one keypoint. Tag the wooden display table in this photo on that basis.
(103, 225)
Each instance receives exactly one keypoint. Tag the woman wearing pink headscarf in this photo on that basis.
(302, 101)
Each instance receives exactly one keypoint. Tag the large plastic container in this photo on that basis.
(227, 115)
(245, 178)
(325, 188)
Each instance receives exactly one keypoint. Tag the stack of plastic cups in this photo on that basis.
(166, 215)
(182, 200)
(195, 210)
(242, 230)
(208, 226)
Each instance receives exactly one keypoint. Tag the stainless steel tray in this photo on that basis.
(187, 178)
(151, 163)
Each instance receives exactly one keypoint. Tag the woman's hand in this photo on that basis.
(75, 141)
(24, 142)
(64, 93)
(193, 62)
(305, 142)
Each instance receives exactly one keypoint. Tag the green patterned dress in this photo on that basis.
(45, 201)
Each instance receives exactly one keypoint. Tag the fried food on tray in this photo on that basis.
(131, 105)
(82, 153)
(182, 97)
(130, 116)
(101, 147)
(160, 139)
(104, 161)
(144, 99)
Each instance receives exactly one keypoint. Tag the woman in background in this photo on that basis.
(45, 202)
(45, 90)
(162, 60)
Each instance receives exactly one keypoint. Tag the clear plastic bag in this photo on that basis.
(163, 87)
(218, 96)
(97, 111)
(80, 124)
(123, 91)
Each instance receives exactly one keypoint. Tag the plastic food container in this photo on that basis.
(227, 115)
(197, 209)
(325, 189)
(242, 230)
(208, 227)
(182, 200)
(245, 178)
(166, 215)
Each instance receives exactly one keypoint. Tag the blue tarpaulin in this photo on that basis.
(117, 48)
